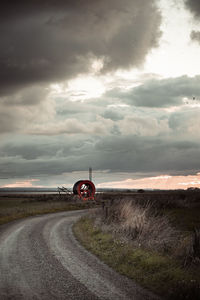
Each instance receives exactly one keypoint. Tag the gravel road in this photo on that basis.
(41, 259)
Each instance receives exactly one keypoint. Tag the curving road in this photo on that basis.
(41, 259)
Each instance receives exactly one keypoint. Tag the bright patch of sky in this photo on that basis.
(175, 56)
(158, 182)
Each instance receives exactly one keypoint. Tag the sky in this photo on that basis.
(108, 84)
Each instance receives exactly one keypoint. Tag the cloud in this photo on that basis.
(28, 96)
(112, 114)
(195, 35)
(51, 125)
(26, 108)
(73, 126)
(49, 157)
(38, 111)
(159, 93)
(56, 40)
(146, 154)
(143, 126)
(185, 123)
(193, 6)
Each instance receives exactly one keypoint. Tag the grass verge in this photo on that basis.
(160, 274)
(16, 208)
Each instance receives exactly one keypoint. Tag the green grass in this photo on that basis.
(161, 274)
(13, 208)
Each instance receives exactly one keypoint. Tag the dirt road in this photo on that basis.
(41, 259)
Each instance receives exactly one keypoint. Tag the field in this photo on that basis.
(153, 238)
(15, 206)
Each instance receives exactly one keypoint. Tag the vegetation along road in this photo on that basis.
(41, 259)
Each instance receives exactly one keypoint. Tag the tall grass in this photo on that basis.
(145, 227)
(140, 225)
(160, 273)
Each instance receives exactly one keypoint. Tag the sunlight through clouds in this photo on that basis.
(109, 84)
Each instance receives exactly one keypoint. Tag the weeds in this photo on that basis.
(158, 199)
(160, 273)
(140, 225)
(150, 238)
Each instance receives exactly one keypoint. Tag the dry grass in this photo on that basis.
(150, 237)
(157, 199)
(14, 207)
(140, 225)
(159, 273)
(149, 228)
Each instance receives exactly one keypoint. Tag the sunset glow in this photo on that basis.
(22, 184)
(164, 182)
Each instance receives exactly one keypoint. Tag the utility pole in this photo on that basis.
(90, 174)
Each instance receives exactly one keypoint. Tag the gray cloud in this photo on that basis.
(24, 109)
(44, 157)
(72, 126)
(148, 154)
(45, 134)
(194, 7)
(34, 111)
(55, 40)
(28, 96)
(185, 123)
(112, 114)
(195, 35)
(160, 93)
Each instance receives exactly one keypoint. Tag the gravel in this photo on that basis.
(41, 259)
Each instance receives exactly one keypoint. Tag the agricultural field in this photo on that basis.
(153, 238)
(16, 206)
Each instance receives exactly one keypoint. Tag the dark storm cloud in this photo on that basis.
(147, 154)
(195, 35)
(194, 6)
(160, 93)
(33, 147)
(55, 40)
(116, 153)
(44, 156)
(25, 97)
